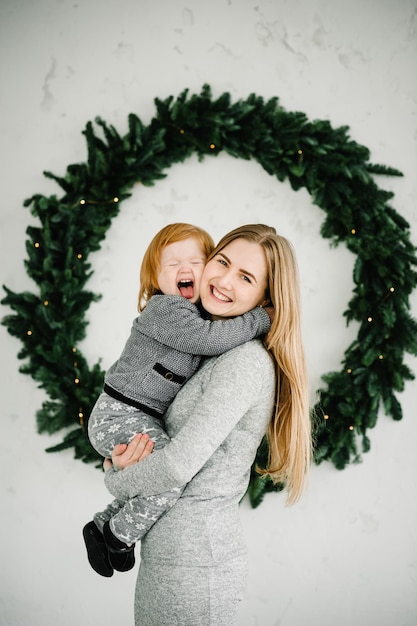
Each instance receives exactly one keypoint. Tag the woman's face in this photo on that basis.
(235, 280)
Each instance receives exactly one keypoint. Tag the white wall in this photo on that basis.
(347, 553)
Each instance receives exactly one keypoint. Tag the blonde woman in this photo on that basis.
(193, 560)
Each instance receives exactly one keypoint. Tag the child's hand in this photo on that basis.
(138, 449)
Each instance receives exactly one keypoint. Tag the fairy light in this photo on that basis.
(77, 381)
(212, 146)
(351, 427)
(79, 255)
(83, 201)
(353, 231)
(182, 131)
(326, 417)
(29, 333)
(45, 302)
(37, 244)
(370, 319)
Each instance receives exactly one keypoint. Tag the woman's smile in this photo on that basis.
(220, 296)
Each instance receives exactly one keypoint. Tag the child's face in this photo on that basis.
(182, 264)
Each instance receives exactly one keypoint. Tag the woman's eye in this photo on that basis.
(222, 262)
(248, 280)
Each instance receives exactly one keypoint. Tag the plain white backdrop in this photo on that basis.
(347, 553)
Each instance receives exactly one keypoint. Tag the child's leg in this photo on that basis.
(140, 513)
(112, 422)
(110, 511)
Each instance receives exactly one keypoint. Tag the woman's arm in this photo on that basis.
(235, 384)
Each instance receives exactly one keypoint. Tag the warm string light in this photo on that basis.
(327, 417)
(212, 145)
(84, 201)
(114, 200)
(79, 256)
(381, 357)
(388, 295)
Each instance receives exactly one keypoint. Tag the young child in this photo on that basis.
(165, 347)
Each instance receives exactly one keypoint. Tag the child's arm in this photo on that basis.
(175, 322)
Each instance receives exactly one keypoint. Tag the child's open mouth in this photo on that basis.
(186, 288)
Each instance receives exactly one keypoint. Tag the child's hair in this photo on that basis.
(289, 430)
(151, 263)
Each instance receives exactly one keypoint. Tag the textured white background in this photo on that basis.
(347, 553)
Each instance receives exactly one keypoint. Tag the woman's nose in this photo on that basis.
(225, 280)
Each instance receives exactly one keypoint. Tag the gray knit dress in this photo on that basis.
(193, 560)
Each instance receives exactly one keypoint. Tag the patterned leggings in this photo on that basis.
(112, 422)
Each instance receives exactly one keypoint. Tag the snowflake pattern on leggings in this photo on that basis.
(112, 422)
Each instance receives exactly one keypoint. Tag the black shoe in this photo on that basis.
(121, 556)
(97, 553)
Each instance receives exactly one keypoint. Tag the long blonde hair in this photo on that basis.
(151, 263)
(289, 430)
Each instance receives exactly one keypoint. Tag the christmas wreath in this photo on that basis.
(340, 179)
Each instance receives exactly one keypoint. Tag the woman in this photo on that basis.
(193, 561)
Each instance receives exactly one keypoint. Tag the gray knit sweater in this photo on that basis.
(165, 348)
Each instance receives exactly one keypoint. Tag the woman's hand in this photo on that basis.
(124, 455)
